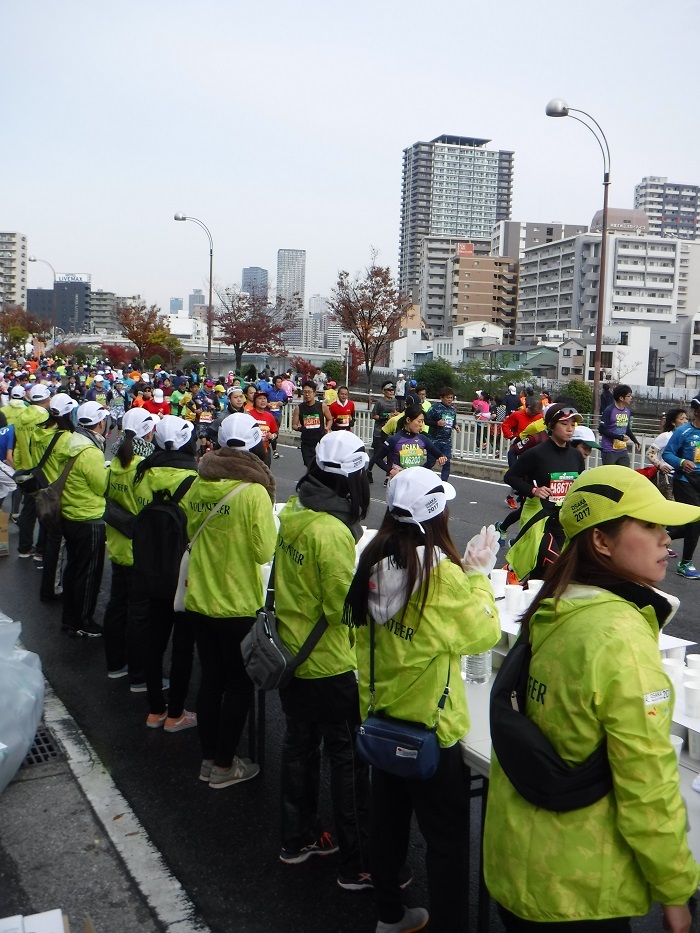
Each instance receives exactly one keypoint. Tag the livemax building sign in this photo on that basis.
(74, 277)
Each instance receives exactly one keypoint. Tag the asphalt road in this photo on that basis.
(224, 846)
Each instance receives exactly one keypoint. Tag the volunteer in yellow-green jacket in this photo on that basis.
(314, 562)
(240, 534)
(52, 435)
(35, 413)
(83, 527)
(426, 611)
(125, 618)
(594, 630)
(171, 463)
(16, 404)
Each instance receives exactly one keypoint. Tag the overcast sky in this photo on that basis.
(282, 125)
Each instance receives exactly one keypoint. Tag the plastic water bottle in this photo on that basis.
(476, 668)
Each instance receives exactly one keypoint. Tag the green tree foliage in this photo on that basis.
(437, 373)
(141, 325)
(334, 370)
(580, 393)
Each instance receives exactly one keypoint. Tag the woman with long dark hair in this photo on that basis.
(594, 633)
(427, 607)
(314, 563)
(125, 622)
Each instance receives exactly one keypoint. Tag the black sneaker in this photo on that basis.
(25, 554)
(324, 845)
(363, 880)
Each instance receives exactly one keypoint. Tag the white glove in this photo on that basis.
(482, 551)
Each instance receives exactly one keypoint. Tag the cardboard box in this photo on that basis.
(4, 534)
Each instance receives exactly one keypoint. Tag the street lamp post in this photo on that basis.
(53, 302)
(210, 310)
(559, 108)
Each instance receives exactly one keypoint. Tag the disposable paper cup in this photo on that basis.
(534, 586)
(692, 700)
(677, 743)
(512, 639)
(674, 669)
(675, 654)
(514, 597)
(694, 744)
(499, 579)
(693, 660)
(528, 599)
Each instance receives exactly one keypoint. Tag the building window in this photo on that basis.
(566, 352)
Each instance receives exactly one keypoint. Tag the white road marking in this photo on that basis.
(164, 893)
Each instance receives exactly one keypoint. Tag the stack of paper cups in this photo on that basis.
(499, 578)
(514, 598)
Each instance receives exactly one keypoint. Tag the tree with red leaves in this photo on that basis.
(370, 307)
(143, 326)
(300, 365)
(16, 325)
(249, 324)
(119, 357)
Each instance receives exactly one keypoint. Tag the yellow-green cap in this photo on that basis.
(609, 492)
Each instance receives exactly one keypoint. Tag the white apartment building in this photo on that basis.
(13, 269)
(673, 208)
(472, 334)
(513, 237)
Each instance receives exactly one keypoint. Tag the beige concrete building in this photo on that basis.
(484, 288)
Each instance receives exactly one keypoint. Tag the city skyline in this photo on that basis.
(325, 173)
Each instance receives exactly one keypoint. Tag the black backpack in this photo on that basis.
(527, 757)
(159, 541)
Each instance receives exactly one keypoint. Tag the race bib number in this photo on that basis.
(696, 453)
(619, 444)
(560, 484)
(312, 421)
(411, 455)
(275, 406)
(205, 417)
(449, 420)
(342, 421)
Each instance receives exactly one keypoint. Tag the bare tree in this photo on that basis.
(370, 307)
(250, 324)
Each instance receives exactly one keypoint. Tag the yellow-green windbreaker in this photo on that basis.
(156, 479)
(83, 498)
(24, 433)
(597, 655)
(413, 652)
(41, 438)
(314, 566)
(12, 410)
(120, 487)
(237, 540)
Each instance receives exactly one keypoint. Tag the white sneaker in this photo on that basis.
(414, 918)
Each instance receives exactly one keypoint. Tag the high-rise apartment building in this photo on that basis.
(13, 269)
(433, 290)
(453, 186)
(291, 274)
(101, 313)
(672, 208)
(175, 305)
(254, 281)
(513, 237)
(196, 299)
(485, 289)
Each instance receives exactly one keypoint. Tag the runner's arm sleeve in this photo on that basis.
(673, 450)
(606, 424)
(432, 448)
(518, 476)
(385, 455)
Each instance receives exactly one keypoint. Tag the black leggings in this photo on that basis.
(514, 924)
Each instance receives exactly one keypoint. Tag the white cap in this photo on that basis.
(139, 421)
(171, 429)
(341, 452)
(158, 395)
(145, 377)
(99, 378)
(91, 413)
(583, 433)
(18, 392)
(511, 389)
(62, 404)
(39, 393)
(241, 431)
(420, 493)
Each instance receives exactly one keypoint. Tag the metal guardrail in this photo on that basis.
(477, 442)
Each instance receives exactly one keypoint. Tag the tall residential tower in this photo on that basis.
(672, 208)
(453, 186)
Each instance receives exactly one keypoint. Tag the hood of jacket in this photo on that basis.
(315, 495)
(80, 441)
(657, 607)
(226, 463)
(387, 586)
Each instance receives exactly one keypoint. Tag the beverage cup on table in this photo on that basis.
(499, 578)
(534, 586)
(675, 654)
(693, 661)
(675, 670)
(692, 700)
(677, 743)
(528, 599)
(514, 598)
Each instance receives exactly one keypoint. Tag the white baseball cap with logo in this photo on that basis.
(91, 413)
(173, 430)
(417, 494)
(18, 392)
(62, 404)
(239, 431)
(341, 452)
(39, 393)
(140, 421)
(158, 396)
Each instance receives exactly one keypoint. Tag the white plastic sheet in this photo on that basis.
(21, 700)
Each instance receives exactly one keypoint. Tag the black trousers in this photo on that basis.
(162, 621)
(686, 492)
(225, 691)
(308, 450)
(514, 924)
(441, 805)
(26, 523)
(301, 772)
(49, 546)
(85, 558)
(125, 625)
